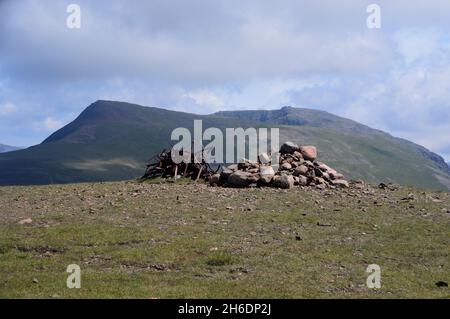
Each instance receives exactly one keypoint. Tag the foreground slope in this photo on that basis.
(114, 140)
(193, 241)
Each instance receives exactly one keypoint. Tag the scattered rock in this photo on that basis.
(297, 166)
(289, 148)
(441, 284)
(323, 225)
(267, 173)
(264, 158)
(340, 183)
(239, 179)
(302, 180)
(215, 179)
(301, 170)
(283, 181)
(226, 173)
(26, 221)
(382, 186)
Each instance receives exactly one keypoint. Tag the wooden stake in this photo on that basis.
(199, 172)
(176, 172)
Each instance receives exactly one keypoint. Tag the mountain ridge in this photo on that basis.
(112, 140)
(8, 148)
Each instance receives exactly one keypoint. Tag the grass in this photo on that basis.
(220, 259)
(172, 240)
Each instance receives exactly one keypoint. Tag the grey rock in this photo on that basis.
(301, 170)
(253, 179)
(340, 183)
(284, 181)
(267, 173)
(264, 158)
(225, 174)
(239, 179)
(335, 175)
(302, 180)
(289, 148)
(215, 179)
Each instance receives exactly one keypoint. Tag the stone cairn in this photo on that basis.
(297, 167)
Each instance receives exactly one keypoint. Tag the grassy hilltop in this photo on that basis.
(178, 240)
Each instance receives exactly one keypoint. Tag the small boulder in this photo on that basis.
(264, 158)
(225, 174)
(283, 181)
(298, 155)
(252, 179)
(239, 179)
(26, 221)
(321, 186)
(301, 170)
(319, 180)
(323, 167)
(267, 173)
(335, 175)
(302, 180)
(215, 179)
(309, 152)
(289, 148)
(286, 166)
(340, 183)
(309, 164)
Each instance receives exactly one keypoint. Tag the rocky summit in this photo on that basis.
(298, 166)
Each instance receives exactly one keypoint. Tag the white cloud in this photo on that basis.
(7, 109)
(205, 98)
(49, 124)
(201, 56)
(414, 44)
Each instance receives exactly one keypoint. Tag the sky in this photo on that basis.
(205, 56)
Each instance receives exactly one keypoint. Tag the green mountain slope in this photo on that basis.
(114, 140)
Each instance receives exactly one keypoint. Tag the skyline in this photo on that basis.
(206, 56)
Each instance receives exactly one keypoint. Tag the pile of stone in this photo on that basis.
(297, 167)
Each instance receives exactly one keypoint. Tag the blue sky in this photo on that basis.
(205, 56)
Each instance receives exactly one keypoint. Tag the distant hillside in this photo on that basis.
(7, 148)
(113, 141)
